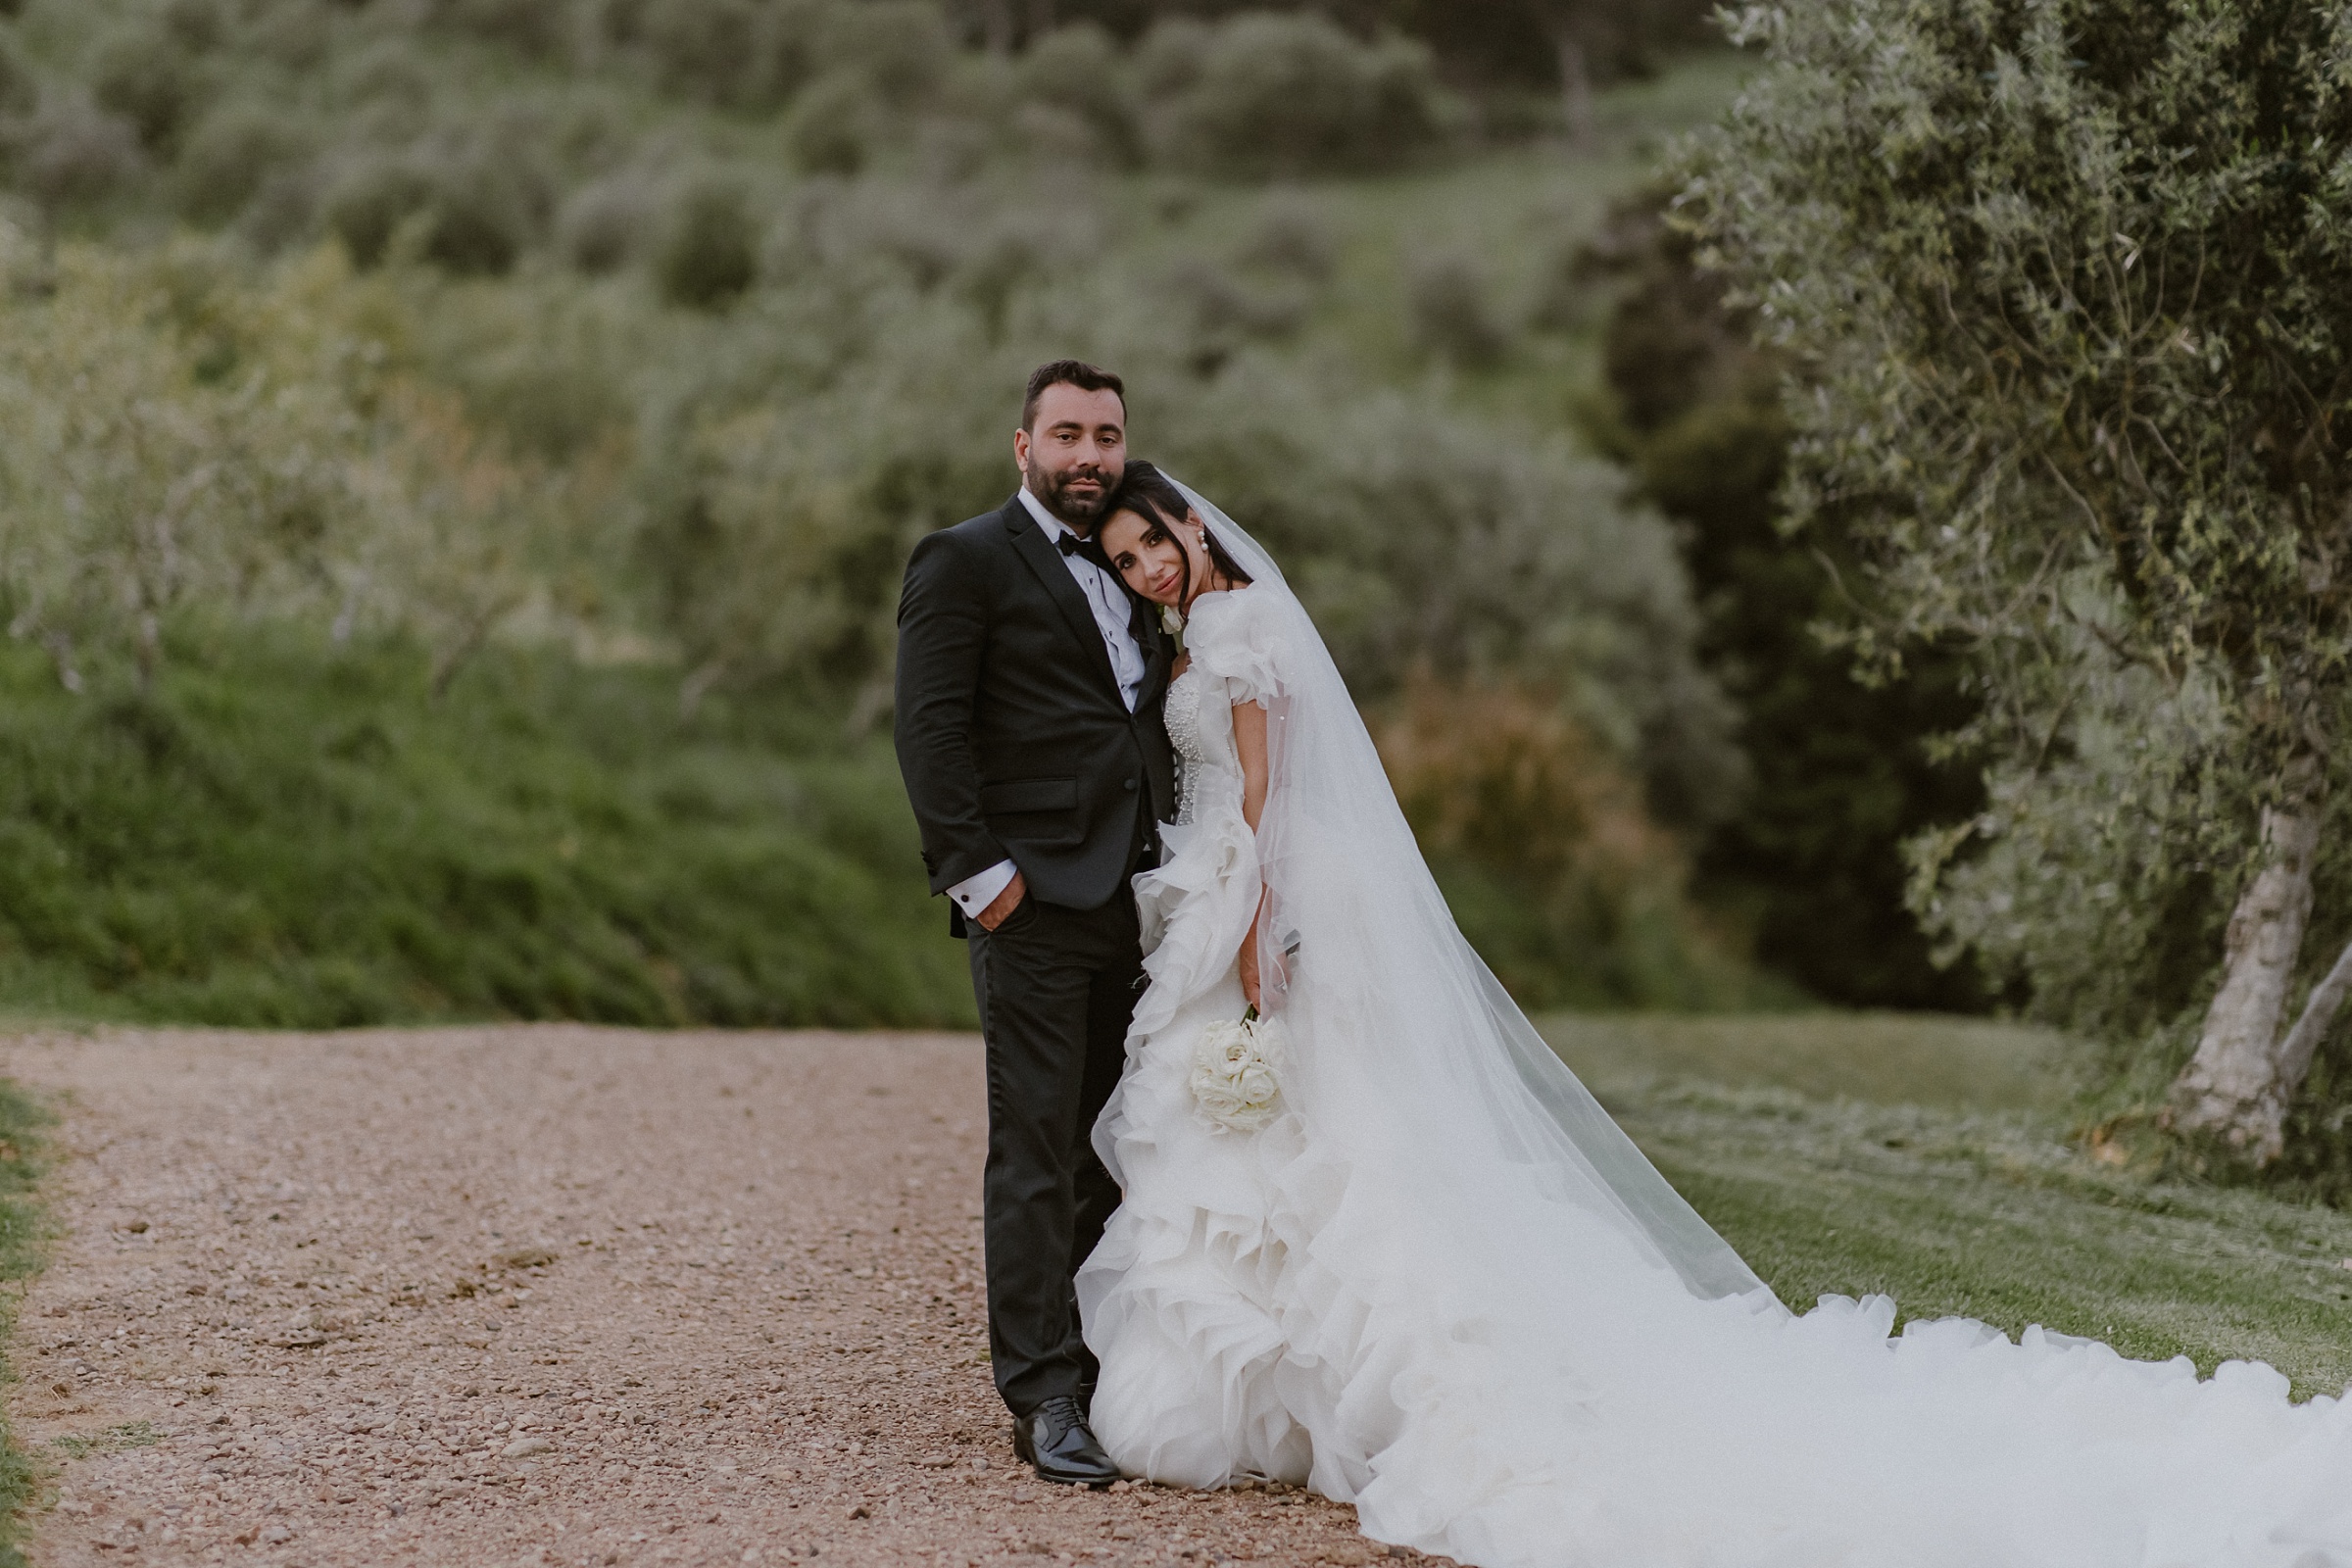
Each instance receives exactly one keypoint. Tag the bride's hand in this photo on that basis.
(1249, 967)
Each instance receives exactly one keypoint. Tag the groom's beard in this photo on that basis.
(1078, 511)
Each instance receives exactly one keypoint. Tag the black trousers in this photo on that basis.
(1056, 987)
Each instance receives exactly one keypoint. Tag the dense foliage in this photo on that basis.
(1841, 771)
(434, 338)
(2071, 289)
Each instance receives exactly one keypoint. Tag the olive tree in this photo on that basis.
(2070, 288)
(175, 439)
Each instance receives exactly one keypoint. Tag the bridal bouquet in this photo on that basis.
(1234, 1072)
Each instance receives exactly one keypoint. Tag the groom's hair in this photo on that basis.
(1067, 372)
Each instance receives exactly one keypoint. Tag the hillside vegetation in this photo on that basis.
(582, 372)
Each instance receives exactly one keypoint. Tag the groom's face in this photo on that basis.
(1073, 455)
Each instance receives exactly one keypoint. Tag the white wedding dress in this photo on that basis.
(1443, 1286)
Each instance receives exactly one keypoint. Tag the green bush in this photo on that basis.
(543, 29)
(151, 79)
(1223, 313)
(198, 25)
(1291, 238)
(606, 224)
(900, 46)
(19, 89)
(293, 35)
(1078, 69)
(488, 203)
(1842, 771)
(834, 124)
(1264, 96)
(1450, 307)
(741, 54)
(472, 210)
(68, 151)
(710, 254)
(230, 155)
(368, 204)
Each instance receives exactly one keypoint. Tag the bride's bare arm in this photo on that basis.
(1249, 742)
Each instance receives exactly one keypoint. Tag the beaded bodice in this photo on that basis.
(1202, 739)
(1183, 709)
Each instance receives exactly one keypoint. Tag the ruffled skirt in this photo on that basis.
(1490, 1374)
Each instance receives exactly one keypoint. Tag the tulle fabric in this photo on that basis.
(1418, 1291)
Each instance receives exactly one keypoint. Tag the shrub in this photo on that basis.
(1171, 59)
(487, 204)
(1262, 96)
(293, 34)
(710, 254)
(19, 89)
(746, 54)
(371, 201)
(150, 80)
(540, 28)
(284, 210)
(1221, 313)
(228, 155)
(1548, 860)
(473, 210)
(900, 46)
(195, 24)
(834, 124)
(386, 71)
(70, 151)
(605, 223)
(1292, 236)
(1078, 69)
(1451, 308)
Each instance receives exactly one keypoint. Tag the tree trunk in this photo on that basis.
(1576, 90)
(2235, 1086)
(2302, 1042)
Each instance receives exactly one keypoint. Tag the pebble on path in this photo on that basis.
(545, 1294)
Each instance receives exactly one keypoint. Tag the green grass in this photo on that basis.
(23, 1248)
(286, 834)
(1972, 1201)
(1885, 1059)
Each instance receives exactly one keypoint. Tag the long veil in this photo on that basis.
(1441, 1050)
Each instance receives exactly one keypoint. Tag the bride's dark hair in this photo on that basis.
(1151, 494)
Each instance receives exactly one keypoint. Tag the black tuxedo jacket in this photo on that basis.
(1011, 733)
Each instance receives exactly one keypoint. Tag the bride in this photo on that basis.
(1441, 1284)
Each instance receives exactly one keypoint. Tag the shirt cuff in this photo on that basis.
(976, 893)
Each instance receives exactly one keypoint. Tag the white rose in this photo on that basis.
(1235, 1079)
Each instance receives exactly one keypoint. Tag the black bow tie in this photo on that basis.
(1069, 544)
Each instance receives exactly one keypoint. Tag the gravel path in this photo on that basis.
(544, 1294)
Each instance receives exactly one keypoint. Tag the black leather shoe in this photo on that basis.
(1054, 1439)
(1086, 1402)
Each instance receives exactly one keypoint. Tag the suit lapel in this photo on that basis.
(1030, 543)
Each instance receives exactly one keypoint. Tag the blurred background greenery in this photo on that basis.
(459, 457)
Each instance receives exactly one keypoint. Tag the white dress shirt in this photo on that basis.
(1110, 603)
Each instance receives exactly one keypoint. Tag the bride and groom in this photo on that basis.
(1434, 1279)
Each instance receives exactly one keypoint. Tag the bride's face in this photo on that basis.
(1151, 556)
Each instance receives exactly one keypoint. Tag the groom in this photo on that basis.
(1030, 736)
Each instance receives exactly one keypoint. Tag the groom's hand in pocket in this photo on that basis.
(1000, 909)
